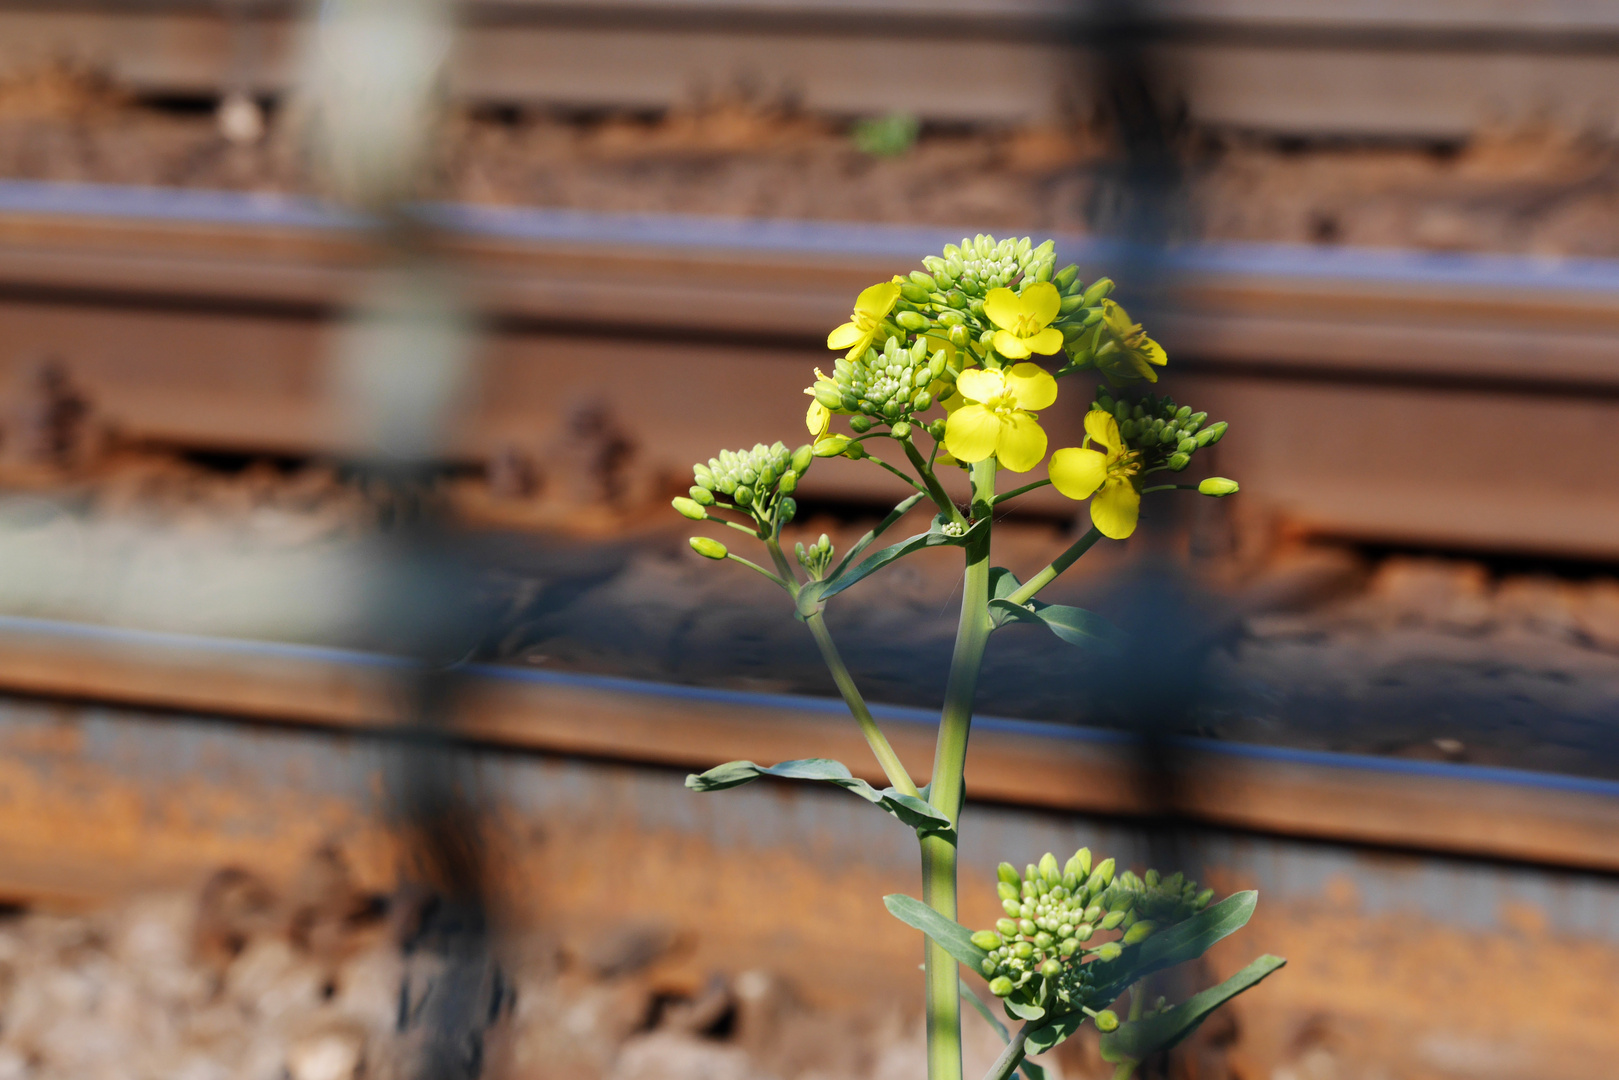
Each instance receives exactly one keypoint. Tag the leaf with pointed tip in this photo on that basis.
(1025, 1011)
(907, 808)
(1175, 945)
(936, 536)
(954, 938)
(1135, 1039)
(1073, 625)
(900, 510)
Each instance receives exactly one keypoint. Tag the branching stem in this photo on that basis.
(1010, 1058)
(893, 768)
(1028, 589)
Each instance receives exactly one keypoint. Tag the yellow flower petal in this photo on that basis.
(951, 403)
(979, 384)
(1115, 509)
(1077, 473)
(1032, 386)
(844, 336)
(1117, 319)
(1010, 345)
(1047, 342)
(971, 433)
(1003, 307)
(818, 420)
(1022, 443)
(1042, 300)
(877, 300)
(1104, 429)
(1154, 352)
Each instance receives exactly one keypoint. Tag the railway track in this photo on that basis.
(1434, 69)
(1377, 395)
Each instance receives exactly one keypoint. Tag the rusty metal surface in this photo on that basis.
(1397, 961)
(1438, 69)
(1499, 813)
(203, 321)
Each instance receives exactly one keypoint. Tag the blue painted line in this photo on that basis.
(830, 238)
(1480, 774)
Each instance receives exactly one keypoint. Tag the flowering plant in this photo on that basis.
(957, 354)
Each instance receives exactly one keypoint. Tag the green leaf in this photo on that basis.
(951, 935)
(1136, 1039)
(1045, 1037)
(1024, 1011)
(936, 536)
(899, 511)
(1074, 625)
(907, 808)
(1179, 943)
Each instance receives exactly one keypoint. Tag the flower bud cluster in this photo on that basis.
(816, 557)
(1037, 952)
(885, 387)
(983, 263)
(1163, 432)
(760, 482)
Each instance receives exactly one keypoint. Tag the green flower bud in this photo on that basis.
(1022, 950)
(1026, 927)
(1070, 881)
(902, 428)
(986, 939)
(1140, 932)
(1203, 899)
(1099, 290)
(1065, 277)
(1092, 913)
(1066, 930)
(689, 507)
(1031, 874)
(1083, 932)
(958, 336)
(1006, 927)
(789, 482)
(1109, 950)
(1011, 907)
(702, 496)
(1185, 445)
(854, 451)
(1112, 919)
(1043, 940)
(987, 966)
(831, 446)
(1051, 969)
(1008, 873)
(708, 548)
(743, 495)
(1006, 891)
(1079, 864)
(860, 424)
(1178, 461)
(912, 320)
(1070, 304)
(923, 400)
(1048, 869)
(1218, 486)
(1212, 434)
(915, 293)
(1068, 948)
(1000, 986)
(1107, 1020)
(801, 459)
(786, 510)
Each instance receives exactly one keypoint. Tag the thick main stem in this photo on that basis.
(893, 768)
(946, 790)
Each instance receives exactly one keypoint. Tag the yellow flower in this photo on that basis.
(1108, 474)
(1025, 321)
(990, 415)
(871, 307)
(818, 420)
(1131, 354)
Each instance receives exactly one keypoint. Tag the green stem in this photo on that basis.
(935, 489)
(1010, 1058)
(1062, 562)
(1125, 1069)
(947, 787)
(909, 480)
(893, 768)
(750, 564)
(1015, 492)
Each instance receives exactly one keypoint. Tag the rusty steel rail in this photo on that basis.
(1434, 69)
(1372, 394)
(1495, 813)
